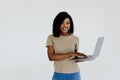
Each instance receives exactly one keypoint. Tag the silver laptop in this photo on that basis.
(95, 53)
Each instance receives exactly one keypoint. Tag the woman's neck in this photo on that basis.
(64, 34)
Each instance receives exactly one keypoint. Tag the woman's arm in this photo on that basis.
(56, 57)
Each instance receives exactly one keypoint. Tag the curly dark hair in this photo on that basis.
(58, 21)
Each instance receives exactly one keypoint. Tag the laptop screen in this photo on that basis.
(98, 46)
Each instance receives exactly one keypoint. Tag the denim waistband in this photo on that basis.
(67, 73)
(66, 76)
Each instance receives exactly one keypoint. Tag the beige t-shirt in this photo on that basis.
(64, 44)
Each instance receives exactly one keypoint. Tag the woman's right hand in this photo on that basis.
(78, 54)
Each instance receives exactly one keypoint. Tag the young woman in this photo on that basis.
(61, 46)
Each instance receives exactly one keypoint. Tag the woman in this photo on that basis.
(62, 45)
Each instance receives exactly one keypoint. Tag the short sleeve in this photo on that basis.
(49, 40)
(77, 43)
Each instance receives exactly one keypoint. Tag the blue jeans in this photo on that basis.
(64, 76)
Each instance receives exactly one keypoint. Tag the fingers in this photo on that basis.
(78, 54)
(81, 54)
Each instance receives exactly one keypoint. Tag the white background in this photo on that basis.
(25, 25)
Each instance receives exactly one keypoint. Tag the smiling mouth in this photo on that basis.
(65, 29)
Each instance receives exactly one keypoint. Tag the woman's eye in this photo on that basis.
(68, 22)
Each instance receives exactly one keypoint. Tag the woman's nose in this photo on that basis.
(65, 25)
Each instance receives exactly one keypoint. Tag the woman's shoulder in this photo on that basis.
(75, 36)
(50, 36)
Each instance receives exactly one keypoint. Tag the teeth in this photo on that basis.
(64, 28)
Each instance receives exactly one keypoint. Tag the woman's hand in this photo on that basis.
(78, 54)
(81, 54)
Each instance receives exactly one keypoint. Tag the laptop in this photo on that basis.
(95, 53)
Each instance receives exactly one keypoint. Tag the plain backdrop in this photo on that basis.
(25, 25)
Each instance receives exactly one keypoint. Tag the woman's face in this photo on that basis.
(65, 26)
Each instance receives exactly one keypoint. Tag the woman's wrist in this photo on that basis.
(70, 54)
